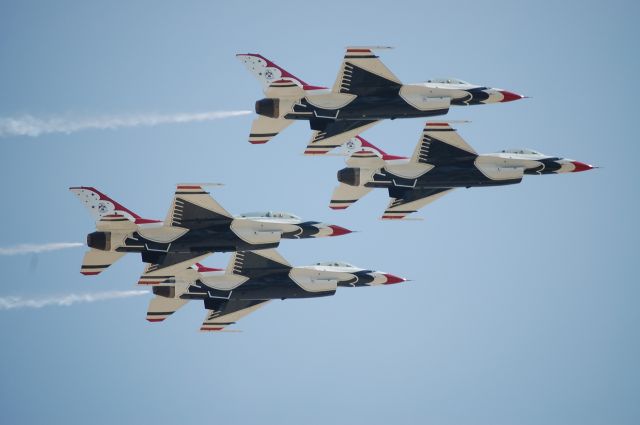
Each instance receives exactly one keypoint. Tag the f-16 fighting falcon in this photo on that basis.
(252, 279)
(441, 161)
(195, 227)
(364, 93)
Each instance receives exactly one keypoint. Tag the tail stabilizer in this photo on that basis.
(161, 307)
(264, 129)
(267, 72)
(105, 211)
(96, 261)
(346, 195)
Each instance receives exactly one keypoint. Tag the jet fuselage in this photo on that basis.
(482, 170)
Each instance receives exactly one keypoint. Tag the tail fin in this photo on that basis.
(268, 72)
(106, 210)
(96, 261)
(358, 146)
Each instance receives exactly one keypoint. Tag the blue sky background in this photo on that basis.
(523, 307)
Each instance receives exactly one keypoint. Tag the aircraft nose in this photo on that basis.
(581, 166)
(338, 231)
(508, 96)
(391, 279)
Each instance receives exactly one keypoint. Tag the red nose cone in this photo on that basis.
(580, 166)
(391, 279)
(338, 231)
(507, 96)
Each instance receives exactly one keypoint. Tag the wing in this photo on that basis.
(169, 267)
(96, 261)
(161, 307)
(193, 208)
(247, 263)
(264, 129)
(335, 134)
(345, 195)
(363, 74)
(405, 202)
(222, 313)
(440, 144)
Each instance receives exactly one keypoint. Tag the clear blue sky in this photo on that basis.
(523, 307)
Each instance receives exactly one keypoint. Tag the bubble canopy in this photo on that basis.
(270, 214)
(447, 81)
(336, 264)
(523, 151)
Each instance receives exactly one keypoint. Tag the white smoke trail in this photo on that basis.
(28, 125)
(10, 303)
(28, 248)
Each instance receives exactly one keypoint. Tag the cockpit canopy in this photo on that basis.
(447, 81)
(335, 264)
(523, 151)
(270, 214)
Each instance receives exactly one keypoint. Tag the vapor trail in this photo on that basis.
(29, 248)
(10, 303)
(27, 125)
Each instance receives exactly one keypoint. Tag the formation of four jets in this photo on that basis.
(365, 92)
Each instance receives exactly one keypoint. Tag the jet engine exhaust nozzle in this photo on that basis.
(268, 107)
(99, 240)
(350, 176)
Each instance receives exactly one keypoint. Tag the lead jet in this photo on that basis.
(364, 93)
(195, 227)
(252, 279)
(441, 162)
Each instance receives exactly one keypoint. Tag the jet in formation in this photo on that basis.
(252, 279)
(195, 226)
(364, 93)
(441, 162)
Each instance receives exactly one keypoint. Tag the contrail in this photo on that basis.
(28, 125)
(10, 303)
(28, 248)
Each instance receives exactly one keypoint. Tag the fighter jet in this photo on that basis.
(441, 161)
(251, 279)
(364, 93)
(195, 227)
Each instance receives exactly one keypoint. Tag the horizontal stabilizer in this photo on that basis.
(345, 195)
(161, 307)
(96, 261)
(264, 129)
